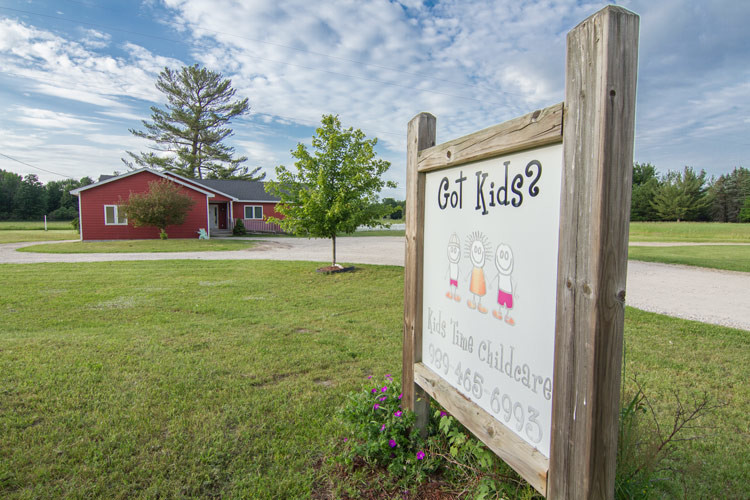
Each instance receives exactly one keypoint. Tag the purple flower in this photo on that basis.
(401, 395)
(375, 406)
(442, 414)
(385, 388)
(382, 428)
(388, 376)
(398, 413)
(392, 443)
(369, 377)
(420, 455)
(346, 439)
(374, 390)
(383, 398)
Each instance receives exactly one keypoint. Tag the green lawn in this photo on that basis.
(690, 231)
(217, 378)
(732, 258)
(136, 246)
(35, 225)
(20, 235)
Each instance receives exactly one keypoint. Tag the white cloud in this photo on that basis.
(53, 65)
(45, 118)
(379, 63)
(95, 39)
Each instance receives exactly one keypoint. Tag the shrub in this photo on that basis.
(646, 461)
(76, 224)
(63, 213)
(239, 228)
(381, 434)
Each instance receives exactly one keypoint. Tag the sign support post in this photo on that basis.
(534, 374)
(598, 137)
(421, 135)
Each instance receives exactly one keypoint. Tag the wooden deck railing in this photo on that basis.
(259, 226)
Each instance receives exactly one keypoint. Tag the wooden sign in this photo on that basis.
(515, 270)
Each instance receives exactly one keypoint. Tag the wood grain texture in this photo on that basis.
(595, 206)
(420, 135)
(524, 458)
(525, 132)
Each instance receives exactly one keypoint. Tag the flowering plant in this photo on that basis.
(382, 433)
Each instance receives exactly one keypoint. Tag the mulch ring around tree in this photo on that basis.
(337, 268)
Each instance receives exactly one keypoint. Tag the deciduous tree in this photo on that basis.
(188, 133)
(164, 204)
(30, 200)
(334, 189)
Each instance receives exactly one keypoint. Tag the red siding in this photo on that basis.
(94, 199)
(269, 209)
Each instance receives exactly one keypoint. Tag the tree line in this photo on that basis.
(689, 195)
(26, 198)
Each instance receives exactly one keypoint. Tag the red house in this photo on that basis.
(219, 203)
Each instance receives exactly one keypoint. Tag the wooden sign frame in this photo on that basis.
(596, 127)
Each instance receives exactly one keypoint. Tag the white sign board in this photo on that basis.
(490, 276)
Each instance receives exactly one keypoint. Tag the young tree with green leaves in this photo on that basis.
(335, 188)
(164, 204)
(188, 133)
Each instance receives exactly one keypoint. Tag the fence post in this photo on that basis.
(421, 135)
(598, 133)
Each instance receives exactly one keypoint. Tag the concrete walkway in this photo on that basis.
(707, 295)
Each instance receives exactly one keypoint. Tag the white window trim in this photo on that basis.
(117, 217)
(253, 212)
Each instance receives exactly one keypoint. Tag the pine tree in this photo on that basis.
(682, 196)
(191, 127)
(645, 186)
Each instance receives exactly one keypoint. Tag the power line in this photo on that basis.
(33, 166)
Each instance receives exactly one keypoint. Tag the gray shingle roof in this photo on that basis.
(242, 190)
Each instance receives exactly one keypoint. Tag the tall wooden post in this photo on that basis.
(421, 135)
(598, 133)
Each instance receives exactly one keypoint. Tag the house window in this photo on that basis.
(113, 216)
(253, 212)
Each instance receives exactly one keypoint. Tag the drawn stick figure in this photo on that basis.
(477, 246)
(454, 255)
(504, 265)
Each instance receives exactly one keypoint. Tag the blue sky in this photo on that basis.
(75, 75)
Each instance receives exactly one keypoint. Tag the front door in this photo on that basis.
(214, 216)
(223, 216)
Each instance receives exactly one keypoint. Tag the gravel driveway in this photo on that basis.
(707, 295)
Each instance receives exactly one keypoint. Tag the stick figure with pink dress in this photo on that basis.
(504, 265)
